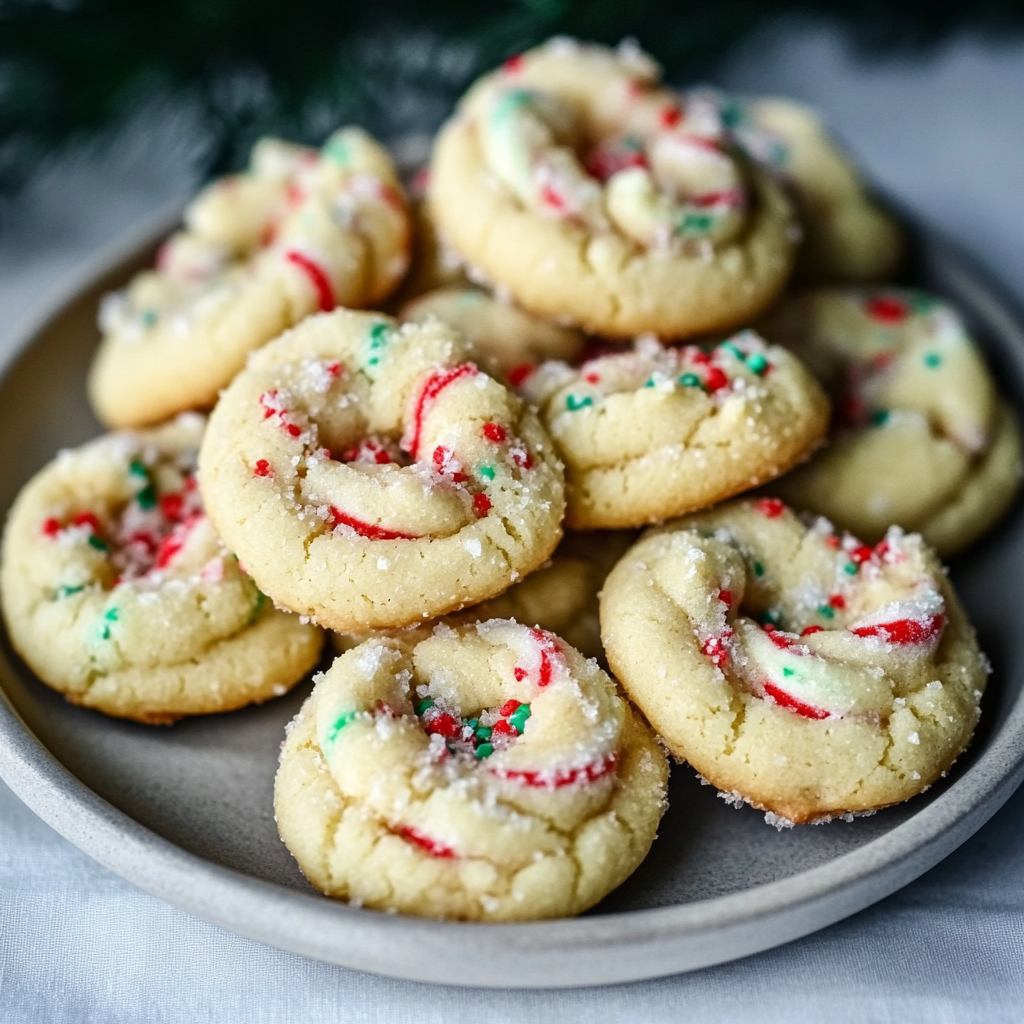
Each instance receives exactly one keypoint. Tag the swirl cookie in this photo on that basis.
(847, 235)
(572, 179)
(506, 339)
(370, 477)
(303, 230)
(657, 431)
(800, 671)
(117, 592)
(920, 437)
(485, 773)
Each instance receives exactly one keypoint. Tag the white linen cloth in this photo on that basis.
(77, 944)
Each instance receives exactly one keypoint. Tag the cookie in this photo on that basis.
(433, 264)
(658, 431)
(505, 339)
(560, 598)
(797, 670)
(483, 773)
(118, 593)
(920, 437)
(303, 230)
(369, 476)
(848, 236)
(574, 180)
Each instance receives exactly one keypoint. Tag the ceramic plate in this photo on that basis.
(186, 812)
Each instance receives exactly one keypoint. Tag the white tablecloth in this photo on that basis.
(77, 944)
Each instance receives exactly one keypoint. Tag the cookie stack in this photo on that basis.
(615, 306)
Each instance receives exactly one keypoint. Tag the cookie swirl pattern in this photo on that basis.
(659, 431)
(487, 772)
(370, 476)
(573, 179)
(920, 437)
(117, 591)
(303, 230)
(796, 669)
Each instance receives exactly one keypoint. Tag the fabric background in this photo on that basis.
(945, 136)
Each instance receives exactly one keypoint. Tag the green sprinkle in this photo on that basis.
(65, 591)
(730, 347)
(150, 317)
(518, 717)
(484, 750)
(757, 363)
(422, 705)
(110, 615)
(731, 113)
(690, 380)
(483, 732)
(826, 611)
(146, 497)
(339, 723)
(758, 569)
(380, 335)
(650, 383)
(472, 722)
(136, 468)
(789, 672)
(932, 360)
(771, 617)
(337, 149)
(695, 224)
(261, 600)
(487, 472)
(880, 417)
(511, 103)
(921, 303)
(97, 543)
(850, 568)
(574, 402)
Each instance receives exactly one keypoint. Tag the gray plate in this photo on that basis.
(185, 812)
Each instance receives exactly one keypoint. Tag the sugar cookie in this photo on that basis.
(657, 431)
(847, 234)
(303, 230)
(797, 670)
(572, 179)
(920, 438)
(118, 593)
(506, 339)
(442, 489)
(484, 773)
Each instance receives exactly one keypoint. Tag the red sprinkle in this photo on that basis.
(715, 380)
(317, 277)
(837, 601)
(904, 631)
(832, 541)
(886, 309)
(698, 356)
(778, 638)
(553, 199)
(424, 842)
(494, 432)
(88, 519)
(520, 373)
(51, 527)
(725, 596)
(770, 508)
(784, 700)
(481, 504)
(592, 378)
(520, 674)
(262, 468)
(812, 629)
(729, 197)
(432, 387)
(523, 459)
(514, 64)
(559, 777)
(503, 728)
(444, 724)
(334, 369)
(175, 541)
(442, 458)
(509, 707)
(670, 117)
(714, 648)
(368, 530)
(170, 504)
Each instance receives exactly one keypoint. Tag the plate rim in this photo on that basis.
(571, 952)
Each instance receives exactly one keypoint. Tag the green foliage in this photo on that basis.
(75, 68)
